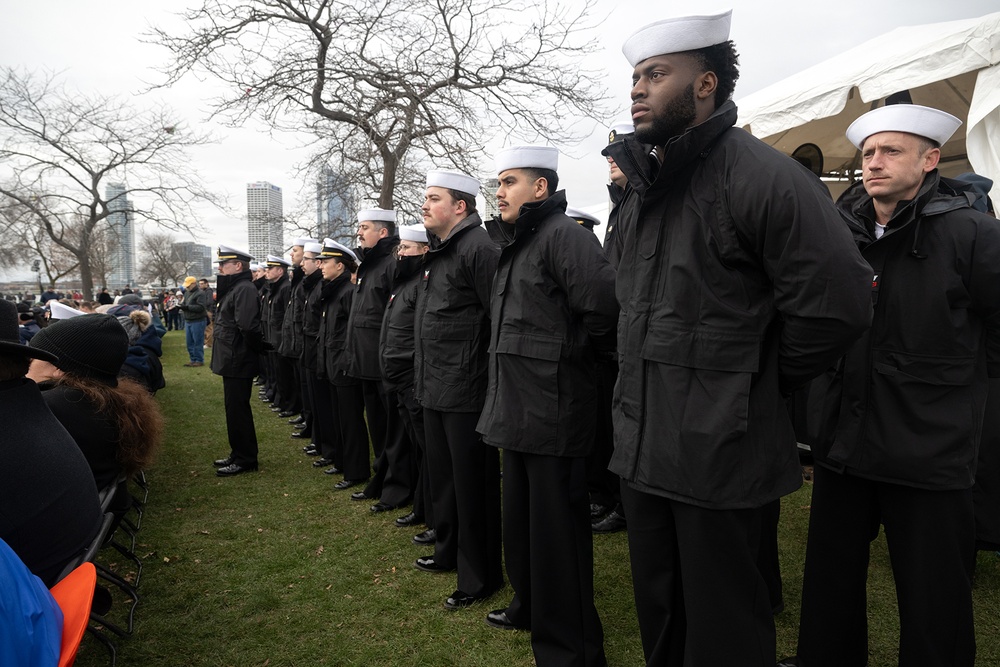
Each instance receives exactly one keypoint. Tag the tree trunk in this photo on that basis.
(86, 276)
(390, 164)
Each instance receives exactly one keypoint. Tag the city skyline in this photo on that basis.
(265, 220)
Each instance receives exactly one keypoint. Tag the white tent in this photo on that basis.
(953, 66)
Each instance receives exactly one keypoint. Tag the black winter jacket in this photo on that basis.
(553, 305)
(332, 361)
(237, 340)
(312, 287)
(291, 324)
(276, 304)
(374, 285)
(914, 386)
(395, 350)
(737, 283)
(451, 337)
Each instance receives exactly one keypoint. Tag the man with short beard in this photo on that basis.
(738, 282)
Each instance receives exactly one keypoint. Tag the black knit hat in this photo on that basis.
(10, 340)
(92, 346)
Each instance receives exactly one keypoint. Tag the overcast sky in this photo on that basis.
(96, 44)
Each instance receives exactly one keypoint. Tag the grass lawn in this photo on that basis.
(278, 569)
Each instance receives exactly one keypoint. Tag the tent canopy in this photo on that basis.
(952, 66)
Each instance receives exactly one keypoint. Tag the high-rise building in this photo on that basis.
(265, 225)
(122, 228)
(488, 191)
(334, 218)
(197, 258)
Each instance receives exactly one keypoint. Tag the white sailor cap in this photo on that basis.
(619, 130)
(227, 253)
(254, 266)
(274, 260)
(934, 124)
(333, 249)
(527, 157)
(583, 218)
(314, 247)
(377, 215)
(453, 180)
(303, 240)
(673, 35)
(416, 233)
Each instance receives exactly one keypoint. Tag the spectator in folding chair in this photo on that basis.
(115, 421)
(49, 511)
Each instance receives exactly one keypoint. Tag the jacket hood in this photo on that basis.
(529, 217)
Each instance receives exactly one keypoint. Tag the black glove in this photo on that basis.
(255, 341)
(268, 347)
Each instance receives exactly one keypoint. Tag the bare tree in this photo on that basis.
(390, 86)
(159, 260)
(22, 242)
(60, 150)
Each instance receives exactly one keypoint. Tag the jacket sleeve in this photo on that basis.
(821, 283)
(482, 268)
(246, 313)
(198, 302)
(584, 274)
(984, 288)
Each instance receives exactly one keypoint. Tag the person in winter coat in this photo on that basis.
(340, 399)
(553, 312)
(393, 479)
(451, 338)
(276, 303)
(290, 345)
(737, 283)
(396, 362)
(912, 394)
(194, 307)
(238, 342)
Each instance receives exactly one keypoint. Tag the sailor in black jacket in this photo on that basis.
(450, 373)
(237, 343)
(912, 395)
(276, 302)
(553, 312)
(290, 345)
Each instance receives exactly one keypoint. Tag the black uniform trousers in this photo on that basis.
(376, 417)
(548, 549)
(700, 598)
(398, 456)
(465, 490)
(326, 431)
(307, 404)
(353, 433)
(239, 420)
(413, 420)
(288, 394)
(931, 540)
(604, 485)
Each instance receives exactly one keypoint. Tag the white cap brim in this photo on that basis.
(415, 233)
(453, 180)
(674, 35)
(376, 215)
(527, 157)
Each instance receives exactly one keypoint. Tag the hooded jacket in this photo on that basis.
(237, 340)
(913, 388)
(451, 334)
(371, 294)
(738, 282)
(553, 306)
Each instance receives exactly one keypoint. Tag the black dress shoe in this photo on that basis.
(222, 463)
(360, 495)
(312, 451)
(498, 619)
(298, 420)
(301, 435)
(612, 523)
(333, 470)
(285, 414)
(429, 536)
(301, 427)
(791, 661)
(348, 483)
(382, 507)
(275, 408)
(461, 599)
(322, 463)
(598, 510)
(411, 519)
(428, 564)
(235, 469)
